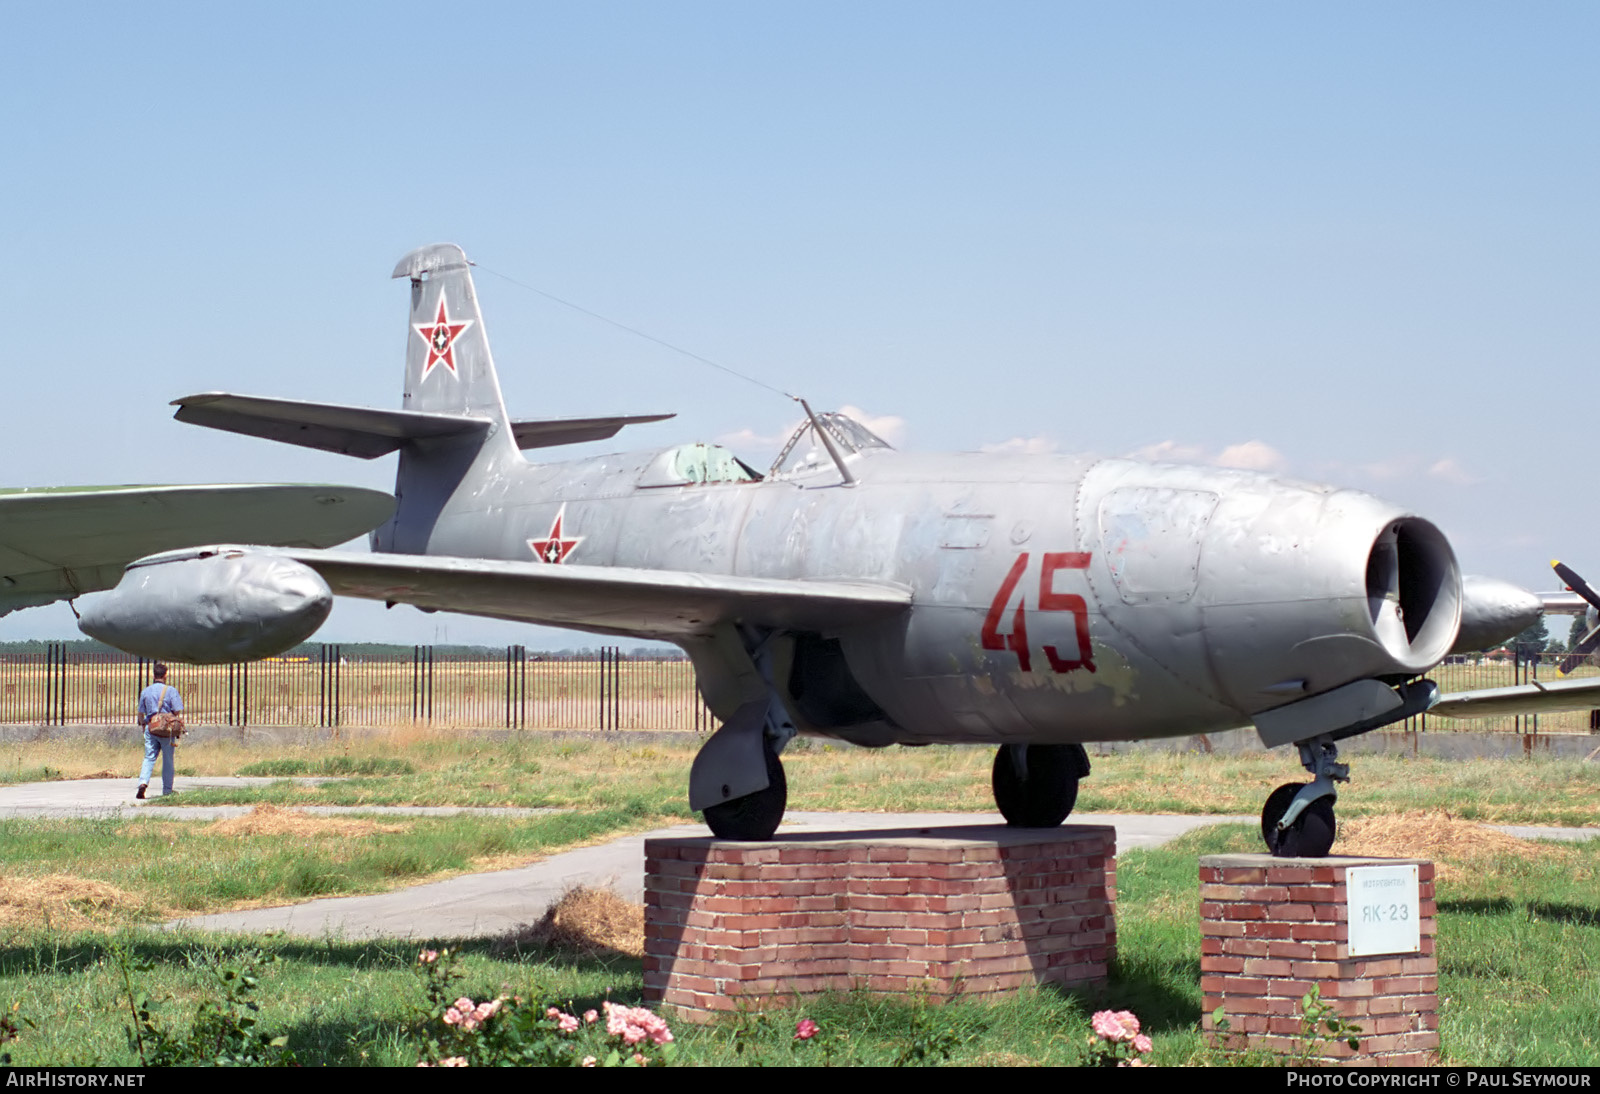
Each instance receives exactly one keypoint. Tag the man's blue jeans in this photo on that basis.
(163, 747)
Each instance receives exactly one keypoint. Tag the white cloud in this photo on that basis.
(1451, 471)
(891, 427)
(1251, 456)
(749, 438)
(1170, 452)
(1021, 446)
(1247, 455)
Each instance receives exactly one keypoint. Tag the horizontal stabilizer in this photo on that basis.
(349, 430)
(1539, 697)
(367, 432)
(554, 431)
(655, 604)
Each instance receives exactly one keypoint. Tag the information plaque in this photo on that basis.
(1384, 910)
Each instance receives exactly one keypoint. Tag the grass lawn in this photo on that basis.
(1519, 927)
(413, 767)
(1519, 939)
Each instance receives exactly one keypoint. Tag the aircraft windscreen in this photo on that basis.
(805, 450)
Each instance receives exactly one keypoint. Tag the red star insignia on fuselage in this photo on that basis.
(554, 549)
(440, 337)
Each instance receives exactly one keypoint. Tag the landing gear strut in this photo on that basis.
(1297, 821)
(1036, 786)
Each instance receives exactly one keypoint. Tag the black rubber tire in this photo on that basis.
(1277, 803)
(1312, 833)
(754, 816)
(1046, 798)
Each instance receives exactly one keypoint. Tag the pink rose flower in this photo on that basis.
(591, 1017)
(1115, 1026)
(805, 1029)
(1142, 1044)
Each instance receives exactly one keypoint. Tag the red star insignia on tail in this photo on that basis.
(440, 337)
(554, 549)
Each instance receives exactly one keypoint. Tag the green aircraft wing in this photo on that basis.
(58, 542)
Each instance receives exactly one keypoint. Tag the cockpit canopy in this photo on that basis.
(694, 464)
(705, 464)
(805, 450)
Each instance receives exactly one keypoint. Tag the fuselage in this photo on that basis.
(1055, 598)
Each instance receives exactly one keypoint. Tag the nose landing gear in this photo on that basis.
(1297, 821)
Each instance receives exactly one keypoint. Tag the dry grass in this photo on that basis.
(270, 820)
(1454, 844)
(585, 920)
(61, 902)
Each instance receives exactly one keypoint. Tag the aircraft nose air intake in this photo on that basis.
(1413, 593)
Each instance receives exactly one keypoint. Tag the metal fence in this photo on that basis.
(329, 688)
(1478, 673)
(65, 685)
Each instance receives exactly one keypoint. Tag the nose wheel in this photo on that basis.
(1309, 835)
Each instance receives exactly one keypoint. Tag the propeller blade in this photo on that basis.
(1580, 653)
(1575, 583)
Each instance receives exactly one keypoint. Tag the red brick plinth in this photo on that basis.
(942, 912)
(1271, 929)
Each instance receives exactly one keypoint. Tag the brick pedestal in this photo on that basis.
(947, 911)
(1271, 929)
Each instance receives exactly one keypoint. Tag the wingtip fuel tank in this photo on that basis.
(210, 605)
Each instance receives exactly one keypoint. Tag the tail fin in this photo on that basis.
(449, 369)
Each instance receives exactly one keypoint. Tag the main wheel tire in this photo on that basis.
(1047, 795)
(754, 816)
(1312, 833)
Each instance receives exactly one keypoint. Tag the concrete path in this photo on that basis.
(478, 905)
(114, 798)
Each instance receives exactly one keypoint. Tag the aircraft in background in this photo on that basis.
(884, 597)
(59, 542)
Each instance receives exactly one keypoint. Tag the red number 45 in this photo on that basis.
(1049, 601)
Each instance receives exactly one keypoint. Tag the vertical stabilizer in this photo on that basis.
(449, 369)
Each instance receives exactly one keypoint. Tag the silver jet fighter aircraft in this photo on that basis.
(884, 597)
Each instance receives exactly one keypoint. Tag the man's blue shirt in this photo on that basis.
(150, 701)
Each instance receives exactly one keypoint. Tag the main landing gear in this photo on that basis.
(755, 816)
(1297, 821)
(1036, 786)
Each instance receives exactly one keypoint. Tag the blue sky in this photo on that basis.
(1354, 243)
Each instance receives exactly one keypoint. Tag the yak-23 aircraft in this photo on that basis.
(59, 542)
(1033, 602)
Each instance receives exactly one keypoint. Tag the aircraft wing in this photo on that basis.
(58, 542)
(1563, 603)
(660, 604)
(1539, 697)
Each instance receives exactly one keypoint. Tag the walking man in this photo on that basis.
(160, 713)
